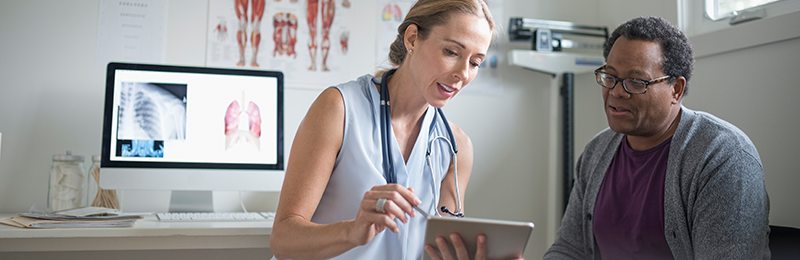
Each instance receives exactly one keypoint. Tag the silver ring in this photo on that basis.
(379, 207)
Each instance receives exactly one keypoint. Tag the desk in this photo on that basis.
(148, 234)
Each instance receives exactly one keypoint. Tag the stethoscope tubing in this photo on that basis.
(388, 164)
(389, 172)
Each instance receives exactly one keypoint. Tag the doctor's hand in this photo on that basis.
(458, 245)
(378, 209)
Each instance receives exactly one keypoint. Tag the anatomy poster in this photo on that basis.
(389, 16)
(131, 31)
(307, 40)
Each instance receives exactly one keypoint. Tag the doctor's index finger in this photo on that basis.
(406, 193)
(402, 200)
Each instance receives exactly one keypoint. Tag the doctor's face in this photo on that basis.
(638, 114)
(448, 59)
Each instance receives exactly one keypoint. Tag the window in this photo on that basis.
(775, 21)
(696, 17)
(719, 9)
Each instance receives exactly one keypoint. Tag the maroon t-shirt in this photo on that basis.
(628, 218)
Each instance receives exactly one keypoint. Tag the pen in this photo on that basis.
(425, 214)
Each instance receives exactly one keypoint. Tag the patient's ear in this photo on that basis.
(678, 88)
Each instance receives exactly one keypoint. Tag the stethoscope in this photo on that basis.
(388, 165)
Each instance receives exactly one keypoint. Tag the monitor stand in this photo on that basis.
(191, 201)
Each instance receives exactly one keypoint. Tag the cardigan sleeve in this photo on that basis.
(731, 214)
(571, 243)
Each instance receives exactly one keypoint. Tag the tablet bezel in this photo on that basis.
(506, 239)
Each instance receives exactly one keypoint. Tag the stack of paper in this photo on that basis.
(76, 218)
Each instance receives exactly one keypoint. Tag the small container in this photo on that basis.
(96, 196)
(67, 183)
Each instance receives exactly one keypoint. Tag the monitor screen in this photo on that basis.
(192, 128)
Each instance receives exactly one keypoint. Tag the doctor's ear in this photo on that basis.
(410, 36)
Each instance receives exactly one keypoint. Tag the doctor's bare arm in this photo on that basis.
(448, 188)
(311, 160)
(314, 151)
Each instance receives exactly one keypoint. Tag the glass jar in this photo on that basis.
(67, 183)
(96, 196)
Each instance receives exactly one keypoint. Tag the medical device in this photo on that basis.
(573, 49)
(548, 35)
(388, 165)
(192, 130)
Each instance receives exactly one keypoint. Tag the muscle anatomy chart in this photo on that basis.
(253, 18)
(327, 10)
(221, 30)
(343, 40)
(285, 35)
(322, 27)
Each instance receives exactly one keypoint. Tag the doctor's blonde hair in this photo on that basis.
(427, 14)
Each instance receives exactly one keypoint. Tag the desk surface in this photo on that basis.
(147, 234)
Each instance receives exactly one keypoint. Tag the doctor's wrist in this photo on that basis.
(349, 236)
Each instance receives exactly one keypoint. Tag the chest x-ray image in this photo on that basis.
(152, 111)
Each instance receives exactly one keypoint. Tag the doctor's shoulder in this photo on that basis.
(462, 139)
(326, 115)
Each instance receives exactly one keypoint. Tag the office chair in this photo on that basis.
(784, 242)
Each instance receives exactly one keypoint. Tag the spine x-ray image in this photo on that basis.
(141, 148)
(149, 111)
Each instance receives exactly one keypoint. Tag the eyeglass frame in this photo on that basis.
(617, 80)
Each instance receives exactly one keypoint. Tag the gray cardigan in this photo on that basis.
(715, 201)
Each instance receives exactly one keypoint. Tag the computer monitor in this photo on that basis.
(192, 130)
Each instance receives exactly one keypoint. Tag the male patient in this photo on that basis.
(663, 181)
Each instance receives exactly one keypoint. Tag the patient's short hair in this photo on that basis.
(678, 57)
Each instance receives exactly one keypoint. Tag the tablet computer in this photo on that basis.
(505, 239)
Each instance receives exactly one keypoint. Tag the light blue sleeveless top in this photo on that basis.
(359, 167)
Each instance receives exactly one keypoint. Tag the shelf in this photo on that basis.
(555, 63)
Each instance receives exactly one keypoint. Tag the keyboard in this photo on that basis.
(215, 216)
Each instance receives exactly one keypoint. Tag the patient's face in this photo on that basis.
(449, 58)
(637, 114)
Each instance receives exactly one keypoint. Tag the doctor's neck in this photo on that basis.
(406, 99)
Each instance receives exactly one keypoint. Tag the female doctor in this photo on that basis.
(339, 198)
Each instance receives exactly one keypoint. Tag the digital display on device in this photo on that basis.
(183, 117)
